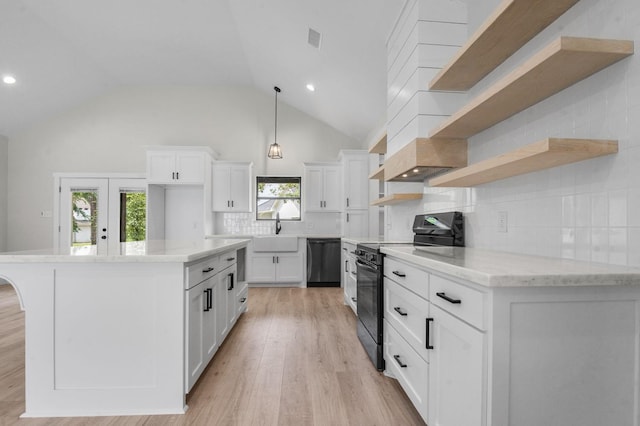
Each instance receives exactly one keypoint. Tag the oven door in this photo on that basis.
(369, 287)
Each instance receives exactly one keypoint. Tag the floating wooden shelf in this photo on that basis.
(564, 62)
(379, 147)
(540, 155)
(423, 157)
(509, 27)
(378, 173)
(396, 199)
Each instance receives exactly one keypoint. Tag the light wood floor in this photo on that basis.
(292, 359)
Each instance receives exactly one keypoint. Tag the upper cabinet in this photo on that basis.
(231, 186)
(169, 166)
(322, 187)
(355, 168)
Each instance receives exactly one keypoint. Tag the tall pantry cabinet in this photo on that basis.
(355, 197)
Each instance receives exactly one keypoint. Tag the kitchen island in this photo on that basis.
(115, 334)
(486, 338)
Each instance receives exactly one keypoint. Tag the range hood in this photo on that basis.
(425, 157)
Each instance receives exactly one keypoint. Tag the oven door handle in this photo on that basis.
(364, 265)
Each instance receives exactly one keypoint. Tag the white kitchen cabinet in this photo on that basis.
(355, 224)
(322, 187)
(276, 267)
(456, 368)
(211, 310)
(231, 187)
(349, 276)
(355, 169)
(201, 330)
(186, 167)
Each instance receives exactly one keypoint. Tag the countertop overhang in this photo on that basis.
(141, 251)
(491, 268)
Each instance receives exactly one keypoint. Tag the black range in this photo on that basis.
(437, 229)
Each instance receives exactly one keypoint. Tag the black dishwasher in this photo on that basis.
(323, 262)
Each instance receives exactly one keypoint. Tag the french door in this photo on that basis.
(97, 214)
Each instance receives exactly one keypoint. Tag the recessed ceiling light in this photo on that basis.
(416, 170)
(8, 79)
(405, 175)
(311, 87)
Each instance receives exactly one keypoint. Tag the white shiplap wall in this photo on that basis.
(586, 211)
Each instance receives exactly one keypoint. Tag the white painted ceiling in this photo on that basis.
(64, 52)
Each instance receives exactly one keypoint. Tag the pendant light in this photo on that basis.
(275, 152)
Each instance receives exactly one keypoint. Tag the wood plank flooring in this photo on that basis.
(292, 359)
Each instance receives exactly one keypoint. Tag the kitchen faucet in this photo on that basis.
(278, 226)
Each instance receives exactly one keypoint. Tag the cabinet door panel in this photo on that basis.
(190, 167)
(262, 268)
(210, 332)
(313, 189)
(240, 189)
(356, 223)
(221, 184)
(195, 328)
(456, 372)
(222, 306)
(289, 267)
(161, 167)
(356, 183)
(332, 189)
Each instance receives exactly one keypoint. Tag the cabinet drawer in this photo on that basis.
(408, 276)
(228, 259)
(243, 299)
(201, 270)
(408, 314)
(407, 367)
(464, 302)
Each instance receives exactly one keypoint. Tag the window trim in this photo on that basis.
(278, 179)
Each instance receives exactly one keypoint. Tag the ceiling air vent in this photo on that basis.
(314, 38)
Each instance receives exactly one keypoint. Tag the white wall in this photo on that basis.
(109, 134)
(589, 210)
(4, 153)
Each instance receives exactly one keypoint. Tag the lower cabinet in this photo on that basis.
(349, 276)
(285, 267)
(212, 308)
(455, 372)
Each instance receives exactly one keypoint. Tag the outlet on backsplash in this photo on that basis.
(502, 221)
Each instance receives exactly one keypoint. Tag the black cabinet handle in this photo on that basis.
(207, 300)
(178, 175)
(173, 175)
(230, 259)
(400, 363)
(347, 206)
(232, 203)
(209, 269)
(230, 282)
(346, 266)
(398, 309)
(448, 299)
(427, 337)
(354, 300)
(347, 217)
(104, 237)
(244, 299)
(400, 274)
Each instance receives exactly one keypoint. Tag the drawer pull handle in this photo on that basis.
(400, 363)
(230, 259)
(427, 337)
(209, 269)
(448, 299)
(244, 299)
(398, 309)
(354, 300)
(399, 274)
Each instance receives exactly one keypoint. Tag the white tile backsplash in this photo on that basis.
(586, 211)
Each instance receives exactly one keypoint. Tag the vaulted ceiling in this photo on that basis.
(64, 52)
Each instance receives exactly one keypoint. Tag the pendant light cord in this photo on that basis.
(275, 132)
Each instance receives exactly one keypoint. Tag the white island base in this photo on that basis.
(103, 335)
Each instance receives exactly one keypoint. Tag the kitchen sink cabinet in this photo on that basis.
(231, 187)
(186, 167)
(322, 187)
(276, 267)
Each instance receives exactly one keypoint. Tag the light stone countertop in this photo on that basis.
(143, 251)
(501, 269)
